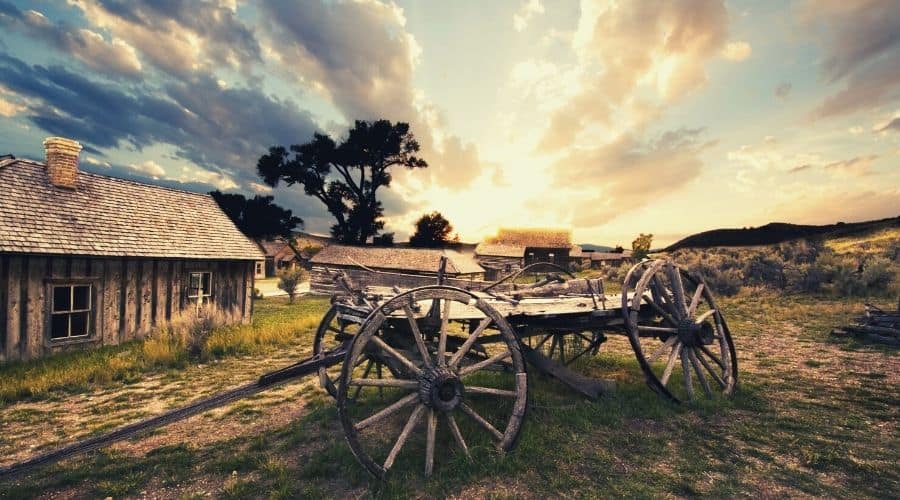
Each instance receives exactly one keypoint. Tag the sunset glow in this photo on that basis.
(607, 118)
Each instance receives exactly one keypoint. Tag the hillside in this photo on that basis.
(777, 232)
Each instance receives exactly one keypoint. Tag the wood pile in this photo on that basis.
(877, 325)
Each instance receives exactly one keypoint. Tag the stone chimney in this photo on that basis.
(62, 161)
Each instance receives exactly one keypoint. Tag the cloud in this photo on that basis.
(636, 58)
(150, 168)
(115, 57)
(528, 10)
(860, 44)
(178, 37)
(219, 129)
(783, 90)
(854, 167)
(892, 123)
(736, 51)
(627, 173)
(800, 168)
(10, 109)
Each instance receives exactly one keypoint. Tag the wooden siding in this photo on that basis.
(496, 267)
(320, 281)
(130, 297)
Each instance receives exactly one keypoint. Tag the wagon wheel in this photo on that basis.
(331, 333)
(440, 391)
(677, 331)
(566, 347)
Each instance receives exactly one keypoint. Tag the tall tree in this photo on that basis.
(345, 177)
(432, 230)
(257, 217)
(640, 247)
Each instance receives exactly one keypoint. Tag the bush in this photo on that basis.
(289, 279)
(765, 270)
(877, 274)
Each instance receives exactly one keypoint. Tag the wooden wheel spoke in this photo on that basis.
(467, 345)
(702, 317)
(396, 355)
(686, 373)
(711, 371)
(442, 339)
(718, 361)
(468, 370)
(660, 329)
(695, 300)
(677, 286)
(366, 372)
(661, 349)
(429, 442)
(662, 312)
(387, 412)
(670, 363)
(457, 436)
(481, 421)
(385, 382)
(404, 435)
(665, 296)
(699, 372)
(417, 335)
(491, 391)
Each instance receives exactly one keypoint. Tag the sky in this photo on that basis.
(607, 118)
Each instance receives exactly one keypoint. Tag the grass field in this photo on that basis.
(811, 417)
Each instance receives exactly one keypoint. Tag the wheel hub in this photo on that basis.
(440, 388)
(694, 334)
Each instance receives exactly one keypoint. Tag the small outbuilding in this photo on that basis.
(280, 256)
(394, 266)
(513, 249)
(88, 260)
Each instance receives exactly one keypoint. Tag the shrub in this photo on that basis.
(289, 279)
(765, 270)
(877, 274)
(847, 282)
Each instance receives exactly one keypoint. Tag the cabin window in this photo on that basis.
(70, 313)
(259, 268)
(200, 287)
(507, 268)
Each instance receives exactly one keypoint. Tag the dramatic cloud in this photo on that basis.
(215, 127)
(892, 123)
(854, 167)
(628, 174)
(737, 51)
(860, 39)
(178, 37)
(148, 167)
(528, 10)
(114, 57)
(636, 57)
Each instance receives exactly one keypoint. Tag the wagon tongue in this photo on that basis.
(267, 381)
(590, 387)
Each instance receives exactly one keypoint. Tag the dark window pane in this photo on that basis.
(82, 297)
(195, 281)
(59, 326)
(205, 287)
(79, 324)
(62, 299)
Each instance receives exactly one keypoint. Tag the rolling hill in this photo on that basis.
(777, 232)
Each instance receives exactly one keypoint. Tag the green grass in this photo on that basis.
(275, 323)
(811, 417)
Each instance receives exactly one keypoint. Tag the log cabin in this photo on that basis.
(88, 260)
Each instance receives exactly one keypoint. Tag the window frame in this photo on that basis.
(201, 298)
(92, 326)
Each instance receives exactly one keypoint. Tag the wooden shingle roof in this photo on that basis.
(500, 250)
(107, 216)
(396, 258)
(539, 238)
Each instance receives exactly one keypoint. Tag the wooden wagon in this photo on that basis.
(449, 364)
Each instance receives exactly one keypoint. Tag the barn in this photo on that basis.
(88, 260)
(513, 249)
(408, 267)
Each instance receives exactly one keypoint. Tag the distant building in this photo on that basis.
(513, 249)
(603, 259)
(279, 256)
(89, 260)
(403, 267)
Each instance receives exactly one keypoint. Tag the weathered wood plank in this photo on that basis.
(160, 295)
(79, 268)
(177, 287)
(112, 292)
(145, 320)
(14, 307)
(36, 307)
(4, 279)
(130, 278)
(248, 283)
